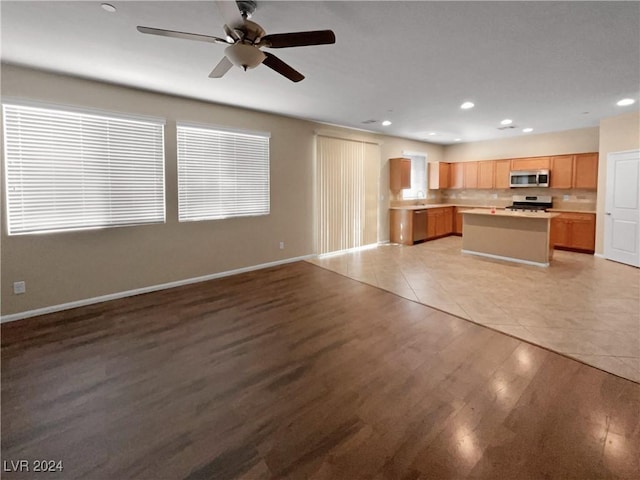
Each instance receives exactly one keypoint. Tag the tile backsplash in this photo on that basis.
(567, 199)
(570, 199)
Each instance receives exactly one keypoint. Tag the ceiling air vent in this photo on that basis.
(367, 122)
(507, 127)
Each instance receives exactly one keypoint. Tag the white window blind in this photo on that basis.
(71, 170)
(221, 173)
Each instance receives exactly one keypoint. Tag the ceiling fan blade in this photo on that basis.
(184, 35)
(282, 68)
(223, 67)
(298, 39)
(230, 13)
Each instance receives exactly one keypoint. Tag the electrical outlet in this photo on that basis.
(565, 197)
(281, 245)
(19, 288)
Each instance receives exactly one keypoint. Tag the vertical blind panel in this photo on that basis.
(70, 170)
(342, 194)
(221, 174)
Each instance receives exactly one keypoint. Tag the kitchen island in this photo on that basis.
(515, 236)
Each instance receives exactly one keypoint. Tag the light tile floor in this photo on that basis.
(582, 306)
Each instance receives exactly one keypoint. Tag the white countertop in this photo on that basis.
(509, 213)
(441, 205)
(435, 205)
(570, 210)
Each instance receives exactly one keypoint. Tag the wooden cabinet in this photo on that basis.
(448, 221)
(574, 231)
(574, 171)
(533, 163)
(407, 226)
(439, 173)
(486, 174)
(439, 222)
(585, 171)
(457, 175)
(501, 177)
(561, 171)
(470, 174)
(457, 220)
(399, 173)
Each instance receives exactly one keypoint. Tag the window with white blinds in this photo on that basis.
(73, 170)
(221, 173)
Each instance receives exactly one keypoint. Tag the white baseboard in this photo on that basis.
(599, 255)
(348, 250)
(138, 291)
(508, 259)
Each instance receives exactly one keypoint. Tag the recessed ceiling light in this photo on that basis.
(431, 134)
(506, 121)
(108, 7)
(527, 130)
(626, 101)
(457, 139)
(467, 105)
(386, 123)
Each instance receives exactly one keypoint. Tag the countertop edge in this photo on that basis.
(445, 205)
(510, 214)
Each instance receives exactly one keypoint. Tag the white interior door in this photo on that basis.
(622, 208)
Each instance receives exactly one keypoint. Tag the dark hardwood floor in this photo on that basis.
(296, 372)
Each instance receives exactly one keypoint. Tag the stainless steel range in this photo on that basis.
(530, 203)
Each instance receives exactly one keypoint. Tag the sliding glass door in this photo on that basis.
(347, 176)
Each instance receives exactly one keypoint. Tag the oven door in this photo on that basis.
(523, 179)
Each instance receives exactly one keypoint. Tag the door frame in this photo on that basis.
(609, 193)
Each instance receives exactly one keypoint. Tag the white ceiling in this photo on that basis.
(547, 65)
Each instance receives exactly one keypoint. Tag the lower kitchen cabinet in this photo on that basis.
(410, 226)
(439, 222)
(457, 221)
(574, 231)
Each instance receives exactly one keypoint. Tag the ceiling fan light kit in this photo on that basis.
(245, 39)
(245, 56)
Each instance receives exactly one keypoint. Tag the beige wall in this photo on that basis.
(74, 266)
(581, 140)
(617, 134)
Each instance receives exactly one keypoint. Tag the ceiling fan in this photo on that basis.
(246, 38)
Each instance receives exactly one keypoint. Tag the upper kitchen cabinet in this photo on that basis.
(470, 174)
(439, 173)
(533, 163)
(561, 171)
(486, 174)
(574, 171)
(501, 177)
(457, 175)
(399, 173)
(585, 171)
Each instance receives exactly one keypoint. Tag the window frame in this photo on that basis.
(72, 222)
(185, 216)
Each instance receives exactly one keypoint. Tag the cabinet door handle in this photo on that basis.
(608, 213)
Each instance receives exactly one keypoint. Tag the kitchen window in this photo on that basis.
(222, 173)
(418, 178)
(71, 169)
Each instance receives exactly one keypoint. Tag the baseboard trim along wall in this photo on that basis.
(138, 291)
(508, 259)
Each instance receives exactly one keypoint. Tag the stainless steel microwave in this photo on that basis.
(529, 178)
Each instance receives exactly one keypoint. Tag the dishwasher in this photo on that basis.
(419, 225)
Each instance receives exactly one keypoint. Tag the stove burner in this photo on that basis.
(528, 208)
(533, 203)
